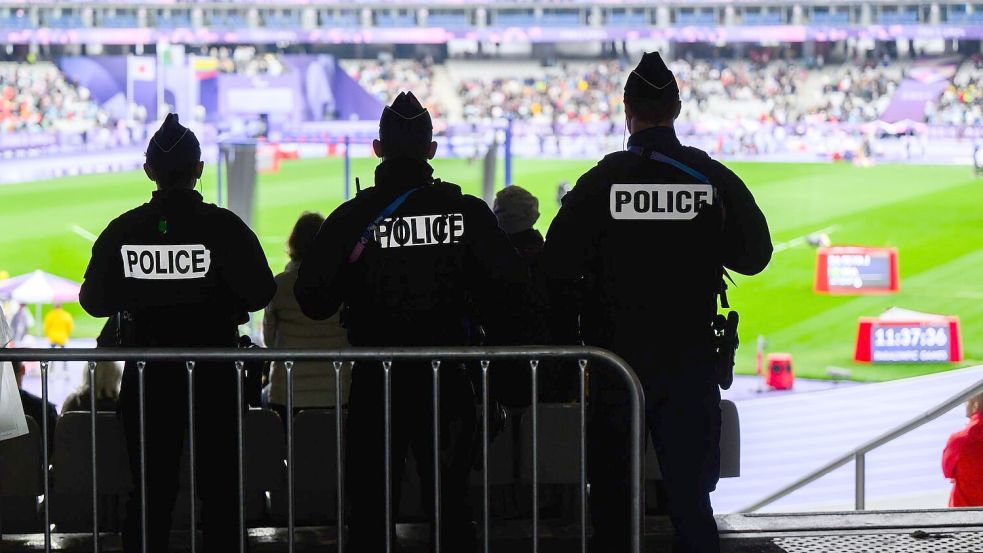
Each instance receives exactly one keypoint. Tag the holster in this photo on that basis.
(725, 342)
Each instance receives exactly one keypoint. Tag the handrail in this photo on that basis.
(190, 356)
(858, 454)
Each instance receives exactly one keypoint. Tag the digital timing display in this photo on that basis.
(858, 271)
(914, 343)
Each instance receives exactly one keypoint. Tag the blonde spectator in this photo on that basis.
(284, 325)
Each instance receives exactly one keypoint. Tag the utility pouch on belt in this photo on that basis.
(725, 342)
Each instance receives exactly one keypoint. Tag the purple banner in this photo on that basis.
(435, 35)
(105, 77)
(909, 101)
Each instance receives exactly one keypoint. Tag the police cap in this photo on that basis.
(173, 153)
(652, 79)
(405, 128)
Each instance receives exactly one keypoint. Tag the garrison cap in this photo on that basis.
(174, 138)
(405, 127)
(652, 79)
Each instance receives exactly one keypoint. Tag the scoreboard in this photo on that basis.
(934, 340)
(856, 270)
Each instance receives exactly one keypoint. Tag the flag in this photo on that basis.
(141, 68)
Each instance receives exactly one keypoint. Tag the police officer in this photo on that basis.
(416, 263)
(642, 240)
(178, 272)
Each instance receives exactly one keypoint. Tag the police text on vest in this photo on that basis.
(420, 230)
(663, 202)
(166, 262)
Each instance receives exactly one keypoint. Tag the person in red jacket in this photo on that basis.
(962, 460)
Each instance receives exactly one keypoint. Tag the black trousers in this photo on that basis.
(166, 424)
(683, 420)
(412, 426)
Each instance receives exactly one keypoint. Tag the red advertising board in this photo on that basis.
(919, 340)
(856, 270)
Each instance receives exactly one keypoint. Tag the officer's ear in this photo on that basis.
(199, 169)
(377, 148)
(149, 171)
(676, 110)
(628, 116)
(432, 151)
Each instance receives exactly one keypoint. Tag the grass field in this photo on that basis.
(931, 214)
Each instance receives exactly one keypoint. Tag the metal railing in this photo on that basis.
(484, 356)
(859, 454)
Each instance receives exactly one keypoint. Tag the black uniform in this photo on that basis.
(179, 273)
(646, 261)
(434, 270)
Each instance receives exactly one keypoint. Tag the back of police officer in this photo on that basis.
(416, 263)
(178, 272)
(641, 242)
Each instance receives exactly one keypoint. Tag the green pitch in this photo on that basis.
(931, 214)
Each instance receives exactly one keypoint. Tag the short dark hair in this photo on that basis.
(652, 110)
(302, 236)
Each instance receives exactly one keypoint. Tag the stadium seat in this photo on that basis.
(71, 492)
(21, 482)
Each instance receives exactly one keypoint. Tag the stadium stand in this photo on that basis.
(37, 97)
(339, 19)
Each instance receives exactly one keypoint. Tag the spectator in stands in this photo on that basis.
(34, 406)
(58, 326)
(108, 376)
(517, 211)
(962, 460)
(21, 323)
(285, 325)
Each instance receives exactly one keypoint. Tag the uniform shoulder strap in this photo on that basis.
(370, 230)
(662, 158)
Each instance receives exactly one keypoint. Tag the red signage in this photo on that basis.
(856, 270)
(931, 340)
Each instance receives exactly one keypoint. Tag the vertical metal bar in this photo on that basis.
(386, 385)
(860, 479)
(240, 447)
(193, 484)
(339, 445)
(583, 455)
(288, 366)
(533, 365)
(141, 366)
(484, 455)
(95, 465)
(436, 453)
(44, 455)
(637, 449)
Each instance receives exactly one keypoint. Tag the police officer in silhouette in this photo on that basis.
(415, 263)
(642, 240)
(179, 272)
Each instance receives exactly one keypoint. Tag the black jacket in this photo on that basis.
(648, 287)
(187, 272)
(430, 274)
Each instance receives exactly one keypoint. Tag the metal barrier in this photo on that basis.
(485, 357)
(859, 454)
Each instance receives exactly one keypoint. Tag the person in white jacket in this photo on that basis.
(284, 325)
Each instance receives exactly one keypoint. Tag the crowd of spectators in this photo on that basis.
(38, 97)
(245, 60)
(560, 94)
(384, 77)
(961, 103)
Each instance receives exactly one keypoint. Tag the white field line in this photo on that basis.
(802, 239)
(84, 233)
